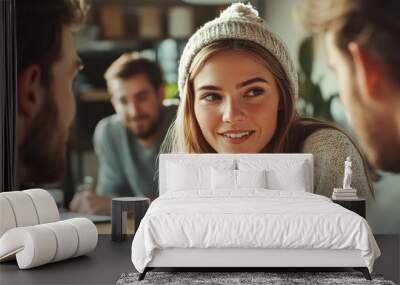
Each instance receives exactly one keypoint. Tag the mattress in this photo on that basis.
(250, 219)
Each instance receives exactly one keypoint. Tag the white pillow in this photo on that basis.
(235, 179)
(187, 175)
(223, 179)
(183, 178)
(251, 178)
(293, 180)
(281, 174)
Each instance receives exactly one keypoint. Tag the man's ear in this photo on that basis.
(368, 70)
(118, 108)
(113, 103)
(30, 91)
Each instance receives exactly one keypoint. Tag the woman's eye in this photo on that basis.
(211, 97)
(255, 92)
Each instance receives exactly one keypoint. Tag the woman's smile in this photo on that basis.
(236, 136)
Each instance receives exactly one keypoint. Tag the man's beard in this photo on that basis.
(43, 151)
(377, 136)
(382, 148)
(150, 131)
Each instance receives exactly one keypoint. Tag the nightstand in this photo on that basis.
(357, 205)
(120, 207)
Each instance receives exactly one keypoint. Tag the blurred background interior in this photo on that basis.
(159, 30)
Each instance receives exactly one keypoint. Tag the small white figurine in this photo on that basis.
(347, 174)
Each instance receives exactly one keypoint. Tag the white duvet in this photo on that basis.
(253, 218)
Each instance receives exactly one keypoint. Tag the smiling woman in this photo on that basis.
(237, 82)
(238, 87)
(235, 100)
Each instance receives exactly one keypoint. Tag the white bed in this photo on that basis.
(258, 210)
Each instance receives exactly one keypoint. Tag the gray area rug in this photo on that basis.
(270, 278)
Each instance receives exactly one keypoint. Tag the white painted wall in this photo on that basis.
(384, 214)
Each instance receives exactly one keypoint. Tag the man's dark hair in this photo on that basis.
(39, 31)
(374, 24)
(131, 64)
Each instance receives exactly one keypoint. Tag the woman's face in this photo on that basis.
(236, 102)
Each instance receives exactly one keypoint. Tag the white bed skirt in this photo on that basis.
(193, 257)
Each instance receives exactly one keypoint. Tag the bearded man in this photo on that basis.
(47, 64)
(127, 143)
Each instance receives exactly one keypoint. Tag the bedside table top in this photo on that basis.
(349, 200)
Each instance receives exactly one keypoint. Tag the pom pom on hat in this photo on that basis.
(240, 10)
(238, 21)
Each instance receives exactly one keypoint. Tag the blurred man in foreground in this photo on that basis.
(47, 65)
(363, 43)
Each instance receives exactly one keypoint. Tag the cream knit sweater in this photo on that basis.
(330, 149)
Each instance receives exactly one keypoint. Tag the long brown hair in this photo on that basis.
(185, 136)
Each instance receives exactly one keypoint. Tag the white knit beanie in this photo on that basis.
(238, 21)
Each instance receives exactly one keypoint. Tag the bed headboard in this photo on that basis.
(237, 159)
